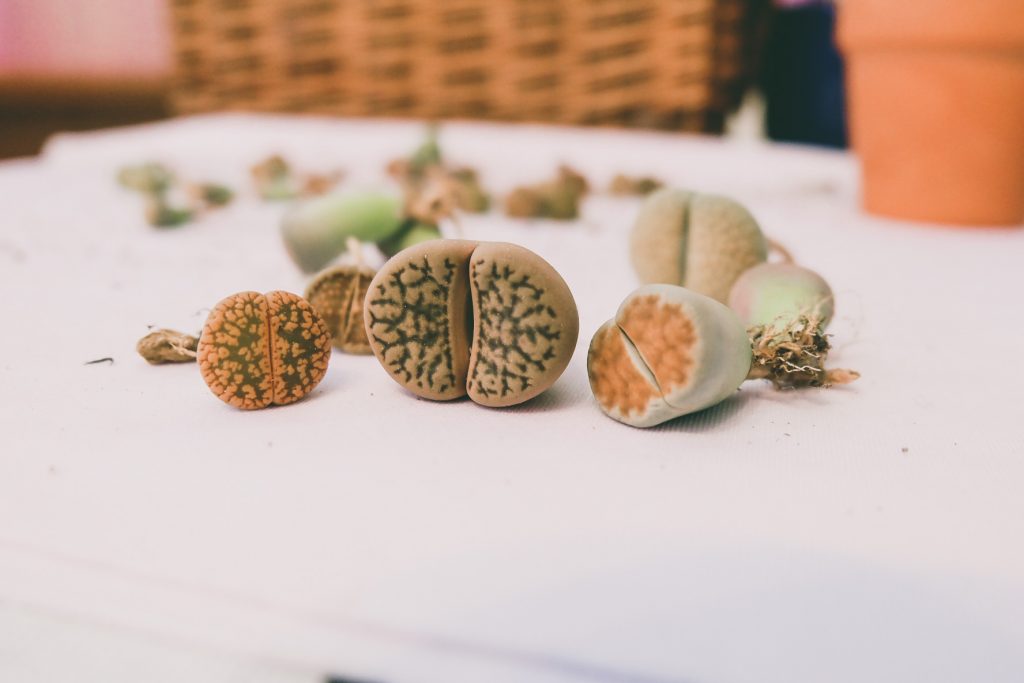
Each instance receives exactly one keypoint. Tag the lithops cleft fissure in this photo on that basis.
(684, 236)
(449, 318)
(667, 352)
(699, 241)
(256, 350)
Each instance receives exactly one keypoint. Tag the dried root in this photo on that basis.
(793, 356)
(167, 346)
(625, 185)
(558, 198)
(275, 179)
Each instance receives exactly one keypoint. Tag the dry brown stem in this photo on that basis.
(167, 346)
(784, 254)
(626, 185)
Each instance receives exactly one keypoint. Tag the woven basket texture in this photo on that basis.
(674, 64)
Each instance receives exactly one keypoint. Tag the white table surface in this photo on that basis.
(149, 532)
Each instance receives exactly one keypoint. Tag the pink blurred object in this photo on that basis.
(113, 38)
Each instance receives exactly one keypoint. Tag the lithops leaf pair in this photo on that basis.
(317, 230)
(447, 318)
(258, 350)
(337, 294)
(700, 241)
(668, 352)
(776, 293)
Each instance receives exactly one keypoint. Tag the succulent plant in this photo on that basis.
(668, 351)
(258, 350)
(148, 178)
(625, 185)
(337, 294)
(427, 154)
(316, 231)
(160, 214)
(776, 293)
(701, 242)
(447, 318)
(214, 194)
(413, 232)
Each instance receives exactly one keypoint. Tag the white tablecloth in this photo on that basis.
(150, 532)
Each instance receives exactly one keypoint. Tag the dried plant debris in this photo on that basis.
(793, 355)
(169, 201)
(150, 178)
(337, 294)
(558, 199)
(626, 185)
(212, 194)
(167, 346)
(276, 180)
(432, 189)
(160, 214)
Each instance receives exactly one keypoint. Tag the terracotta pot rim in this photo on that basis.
(979, 25)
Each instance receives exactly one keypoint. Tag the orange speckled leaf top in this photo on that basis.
(667, 352)
(256, 350)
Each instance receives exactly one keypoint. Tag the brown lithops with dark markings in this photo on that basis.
(337, 294)
(258, 350)
(452, 317)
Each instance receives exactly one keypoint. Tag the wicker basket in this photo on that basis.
(677, 64)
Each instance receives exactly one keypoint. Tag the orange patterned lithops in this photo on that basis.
(258, 349)
(669, 351)
(447, 318)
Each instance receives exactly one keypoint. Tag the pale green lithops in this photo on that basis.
(700, 241)
(776, 293)
(317, 230)
(668, 351)
(412, 232)
(491, 320)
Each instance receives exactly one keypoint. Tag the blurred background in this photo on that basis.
(931, 91)
(679, 64)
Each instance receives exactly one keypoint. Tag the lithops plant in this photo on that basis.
(425, 174)
(776, 293)
(447, 318)
(337, 294)
(317, 230)
(258, 350)
(413, 232)
(700, 241)
(668, 351)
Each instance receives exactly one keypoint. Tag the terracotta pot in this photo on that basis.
(936, 92)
